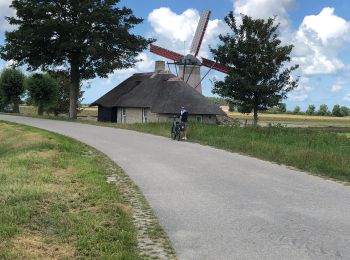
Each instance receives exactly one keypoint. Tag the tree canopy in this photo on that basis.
(42, 90)
(259, 77)
(90, 38)
(11, 87)
(310, 110)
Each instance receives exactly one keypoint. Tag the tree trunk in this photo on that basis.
(40, 109)
(255, 116)
(16, 106)
(74, 89)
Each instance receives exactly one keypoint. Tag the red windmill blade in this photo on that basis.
(215, 66)
(200, 31)
(166, 53)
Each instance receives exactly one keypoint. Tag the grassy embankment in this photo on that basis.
(55, 202)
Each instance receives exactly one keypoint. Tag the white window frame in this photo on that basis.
(145, 115)
(123, 115)
(199, 119)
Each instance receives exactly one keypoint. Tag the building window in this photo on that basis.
(145, 115)
(123, 114)
(199, 119)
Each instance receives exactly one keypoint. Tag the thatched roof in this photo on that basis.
(161, 92)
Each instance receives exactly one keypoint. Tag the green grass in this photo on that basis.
(55, 201)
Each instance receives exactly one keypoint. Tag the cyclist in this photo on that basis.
(184, 120)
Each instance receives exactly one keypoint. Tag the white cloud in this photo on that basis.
(173, 30)
(5, 10)
(301, 93)
(318, 42)
(265, 9)
(337, 86)
(347, 97)
(145, 65)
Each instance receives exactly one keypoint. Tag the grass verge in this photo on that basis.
(55, 202)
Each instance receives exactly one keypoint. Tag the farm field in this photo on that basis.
(302, 120)
(56, 203)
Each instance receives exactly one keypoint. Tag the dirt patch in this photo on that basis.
(32, 245)
(64, 171)
(46, 154)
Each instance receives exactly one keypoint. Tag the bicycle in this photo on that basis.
(176, 129)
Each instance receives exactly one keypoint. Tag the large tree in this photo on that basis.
(42, 90)
(91, 38)
(11, 87)
(61, 104)
(259, 77)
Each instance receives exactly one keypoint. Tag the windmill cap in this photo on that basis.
(189, 59)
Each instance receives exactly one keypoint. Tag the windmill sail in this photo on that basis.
(171, 55)
(198, 37)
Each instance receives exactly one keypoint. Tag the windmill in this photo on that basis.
(189, 65)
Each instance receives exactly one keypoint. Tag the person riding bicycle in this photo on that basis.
(184, 120)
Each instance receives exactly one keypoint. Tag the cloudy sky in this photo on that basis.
(319, 30)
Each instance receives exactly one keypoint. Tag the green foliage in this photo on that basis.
(42, 90)
(258, 78)
(61, 104)
(92, 37)
(336, 111)
(2, 103)
(310, 110)
(278, 109)
(219, 101)
(297, 110)
(340, 111)
(344, 111)
(11, 87)
(323, 111)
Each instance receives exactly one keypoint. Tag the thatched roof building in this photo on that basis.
(146, 97)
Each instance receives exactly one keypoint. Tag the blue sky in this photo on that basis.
(319, 29)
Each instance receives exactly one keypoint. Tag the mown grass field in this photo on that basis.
(294, 119)
(55, 202)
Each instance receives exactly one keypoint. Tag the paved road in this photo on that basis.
(219, 205)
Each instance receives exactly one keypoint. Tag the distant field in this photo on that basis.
(294, 119)
(84, 111)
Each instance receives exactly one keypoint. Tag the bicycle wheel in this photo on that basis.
(178, 135)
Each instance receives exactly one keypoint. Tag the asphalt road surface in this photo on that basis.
(219, 205)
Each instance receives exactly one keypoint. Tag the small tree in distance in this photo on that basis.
(344, 111)
(323, 111)
(42, 90)
(11, 87)
(259, 77)
(297, 110)
(336, 111)
(310, 110)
